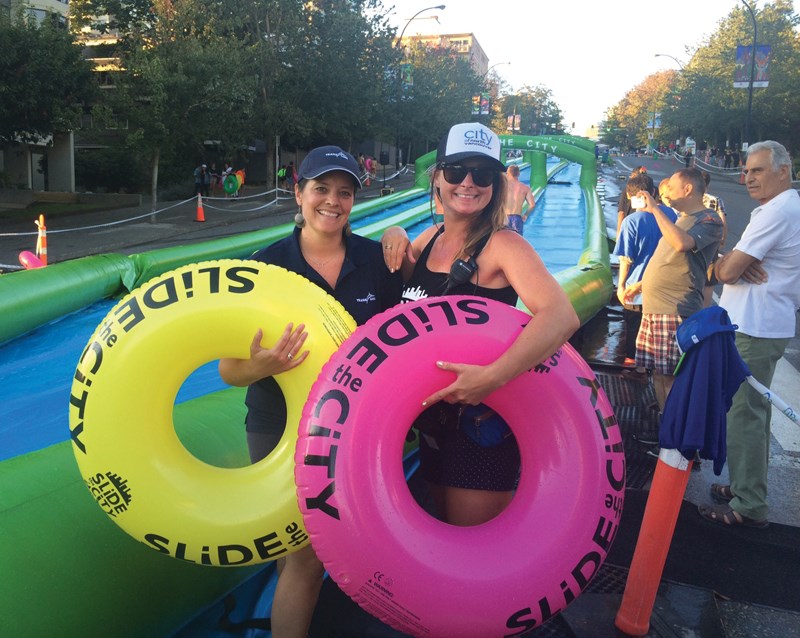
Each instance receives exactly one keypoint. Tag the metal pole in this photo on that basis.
(746, 140)
(277, 162)
(398, 85)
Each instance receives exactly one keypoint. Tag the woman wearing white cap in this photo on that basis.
(352, 270)
(471, 255)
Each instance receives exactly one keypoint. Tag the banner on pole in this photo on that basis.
(480, 104)
(741, 74)
(654, 121)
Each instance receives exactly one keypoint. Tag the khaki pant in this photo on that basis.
(749, 427)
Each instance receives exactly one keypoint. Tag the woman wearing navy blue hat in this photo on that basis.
(473, 484)
(352, 270)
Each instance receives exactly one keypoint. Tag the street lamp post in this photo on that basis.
(494, 65)
(399, 83)
(746, 140)
(667, 55)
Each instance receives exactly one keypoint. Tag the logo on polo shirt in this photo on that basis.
(370, 297)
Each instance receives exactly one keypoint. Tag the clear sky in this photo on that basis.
(589, 53)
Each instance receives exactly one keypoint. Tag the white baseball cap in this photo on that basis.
(471, 139)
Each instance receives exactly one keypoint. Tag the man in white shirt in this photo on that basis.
(761, 294)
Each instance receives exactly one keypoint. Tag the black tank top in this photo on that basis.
(427, 283)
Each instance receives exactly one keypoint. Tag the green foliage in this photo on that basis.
(44, 80)
(107, 170)
(440, 96)
(338, 81)
(539, 113)
(233, 71)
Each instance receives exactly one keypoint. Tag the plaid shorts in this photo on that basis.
(656, 346)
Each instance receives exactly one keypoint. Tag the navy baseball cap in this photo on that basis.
(468, 140)
(325, 159)
(699, 326)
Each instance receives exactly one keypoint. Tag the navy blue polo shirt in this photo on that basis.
(365, 287)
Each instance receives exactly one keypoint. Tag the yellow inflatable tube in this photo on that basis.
(123, 395)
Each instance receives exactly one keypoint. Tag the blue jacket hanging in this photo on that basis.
(710, 373)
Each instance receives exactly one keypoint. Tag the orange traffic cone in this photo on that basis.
(741, 175)
(201, 216)
(658, 524)
(41, 241)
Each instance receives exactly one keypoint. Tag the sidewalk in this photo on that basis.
(136, 229)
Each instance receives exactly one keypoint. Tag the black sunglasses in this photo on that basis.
(456, 173)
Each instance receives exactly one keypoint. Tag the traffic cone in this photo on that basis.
(741, 176)
(658, 525)
(41, 241)
(201, 216)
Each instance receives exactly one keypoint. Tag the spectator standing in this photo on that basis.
(728, 157)
(761, 293)
(673, 282)
(215, 179)
(639, 235)
(718, 206)
(201, 180)
(291, 176)
(624, 202)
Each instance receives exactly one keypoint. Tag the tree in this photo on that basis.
(634, 114)
(440, 95)
(538, 112)
(338, 80)
(716, 110)
(182, 83)
(44, 79)
(701, 100)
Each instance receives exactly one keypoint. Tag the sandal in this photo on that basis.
(725, 515)
(721, 493)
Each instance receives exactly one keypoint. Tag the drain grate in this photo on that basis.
(556, 627)
(609, 579)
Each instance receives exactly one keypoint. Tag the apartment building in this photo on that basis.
(465, 43)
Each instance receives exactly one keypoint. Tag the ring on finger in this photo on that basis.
(289, 356)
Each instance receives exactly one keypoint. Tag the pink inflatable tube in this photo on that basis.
(29, 260)
(416, 573)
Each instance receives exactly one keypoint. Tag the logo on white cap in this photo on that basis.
(470, 137)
